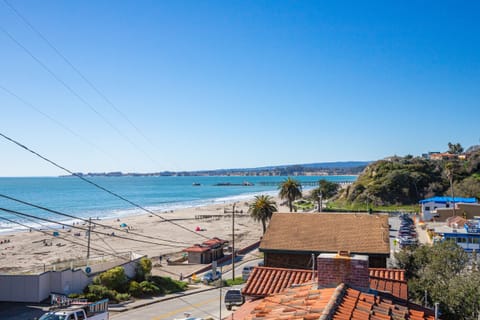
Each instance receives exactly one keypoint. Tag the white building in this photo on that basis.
(430, 205)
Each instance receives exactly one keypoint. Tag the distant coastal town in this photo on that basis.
(312, 169)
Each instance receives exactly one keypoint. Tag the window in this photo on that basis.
(80, 315)
(427, 208)
(461, 240)
(448, 205)
(475, 240)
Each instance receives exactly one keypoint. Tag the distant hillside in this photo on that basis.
(406, 180)
(321, 168)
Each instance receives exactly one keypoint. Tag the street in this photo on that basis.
(201, 305)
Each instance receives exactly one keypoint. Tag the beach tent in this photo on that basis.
(123, 225)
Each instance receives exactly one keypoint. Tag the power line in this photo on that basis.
(86, 220)
(80, 74)
(31, 106)
(74, 93)
(98, 186)
(85, 229)
(63, 238)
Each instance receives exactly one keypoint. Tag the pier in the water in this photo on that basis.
(303, 183)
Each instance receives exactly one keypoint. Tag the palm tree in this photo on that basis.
(325, 190)
(291, 190)
(262, 209)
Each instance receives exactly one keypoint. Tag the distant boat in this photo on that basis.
(196, 184)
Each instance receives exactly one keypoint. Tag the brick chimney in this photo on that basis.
(342, 267)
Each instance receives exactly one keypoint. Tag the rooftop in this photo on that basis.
(322, 232)
(309, 302)
(265, 280)
(449, 199)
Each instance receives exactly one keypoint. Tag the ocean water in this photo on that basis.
(73, 196)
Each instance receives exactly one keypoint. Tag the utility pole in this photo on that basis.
(89, 232)
(221, 285)
(233, 242)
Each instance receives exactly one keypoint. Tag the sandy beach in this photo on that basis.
(35, 251)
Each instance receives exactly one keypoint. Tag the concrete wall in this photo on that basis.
(37, 287)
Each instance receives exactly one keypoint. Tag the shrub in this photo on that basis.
(95, 292)
(149, 288)
(114, 279)
(75, 295)
(122, 296)
(168, 284)
(236, 281)
(134, 289)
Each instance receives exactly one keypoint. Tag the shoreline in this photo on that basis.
(113, 214)
(34, 251)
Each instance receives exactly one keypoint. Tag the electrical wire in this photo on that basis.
(63, 238)
(74, 93)
(98, 186)
(87, 220)
(33, 107)
(85, 229)
(80, 74)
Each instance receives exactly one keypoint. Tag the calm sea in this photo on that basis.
(73, 196)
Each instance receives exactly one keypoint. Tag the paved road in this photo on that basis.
(203, 305)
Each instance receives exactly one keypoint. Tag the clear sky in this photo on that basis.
(230, 84)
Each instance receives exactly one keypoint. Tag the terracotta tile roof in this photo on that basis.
(197, 248)
(302, 302)
(359, 305)
(214, 241)
(321, 232)
(206, 245)
(456, 221)
(391, 281)
(308, 302)
(265, 280)
(387, 274)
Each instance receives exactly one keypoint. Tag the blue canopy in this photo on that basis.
(449, 199)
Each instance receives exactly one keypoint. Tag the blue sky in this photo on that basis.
(236, 84)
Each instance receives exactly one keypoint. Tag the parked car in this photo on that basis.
(81, 311)
(233, 297)
(209, 277)
(246, 272)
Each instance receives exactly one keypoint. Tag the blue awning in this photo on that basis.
(449, 199)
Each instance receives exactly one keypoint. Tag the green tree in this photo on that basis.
(439, 269)
(144, 268)
(291, 190)
(455, 148)
(262, 209)
(325, 190)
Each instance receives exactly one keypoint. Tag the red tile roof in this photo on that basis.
(197, 248)
(214, 241)
(388, 274)
(206, 245)
(391, 281)
(308, 302)
(301, 302)
(265, 280)
(359, 305)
